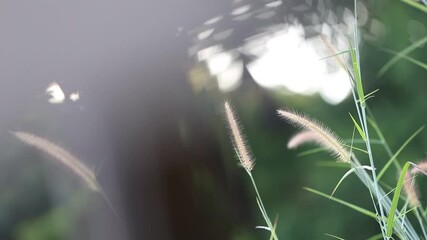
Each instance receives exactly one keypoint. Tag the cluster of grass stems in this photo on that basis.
(392, 220)
(391, 216)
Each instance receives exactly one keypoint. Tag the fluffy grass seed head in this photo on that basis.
(302, 138)
(410, 189)
(321, 134)
(420, 168)
(333, 51)
(62, 156)
(409, 185)
(238, 139)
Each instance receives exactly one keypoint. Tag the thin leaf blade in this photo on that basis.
(395, 201)
(359, 129)
(345, 203)
(356, 70)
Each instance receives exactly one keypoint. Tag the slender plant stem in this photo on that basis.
(374, 175)
(262, 208)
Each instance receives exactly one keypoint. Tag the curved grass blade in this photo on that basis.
(263, 227)
(274, 227)
(333, 236)
(415, 5)
(355, 148)
(391, 216)
(359, 129)
(371, 94)
(376, 237)
(346, 175)
(410, 59)
(311, 151)
(332, 164)
(387, 165)
(334, 55)
(402, 53)
(350, 205)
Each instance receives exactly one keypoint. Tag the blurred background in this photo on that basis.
(135, 89)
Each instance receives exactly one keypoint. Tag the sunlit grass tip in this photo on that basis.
(409, 186)
(302, 138)
(62, 156)
(238, 139)
(410, 190)
(324, 136)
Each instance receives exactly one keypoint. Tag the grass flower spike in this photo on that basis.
(247, 162)
(238, 140)
(62, 156)
(409, 185)
(323, 135)
(301, 138)
(411, 190)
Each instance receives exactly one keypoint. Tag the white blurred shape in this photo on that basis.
(74, 96)
(274, 4)
(240, 10)
(335, 88)
(206, 53)
(242, 17)
(376, 31)
(223, 35)
(205, 34)
(326, 30)
(56, 93)
(213, 20)
(219, 62)
(291, 61)
(348, 17)
(362, 14)
(230, 79)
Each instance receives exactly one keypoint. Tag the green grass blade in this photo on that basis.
(333, 236)
(402, 53)
(355, 148)
(371, 94)
(334, 55)
(274, 228)
(346, 175)
(360, 141)
(376, 237)
(398, 152)
(412, 60)
(333, 164)
(357, 78)
(390, 219)
(359, 129)
(415, 5)
(311, 151)
(261, 209)
(347, 204)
